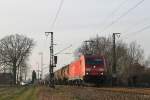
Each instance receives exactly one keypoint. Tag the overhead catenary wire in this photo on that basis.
(57, 14)
(137, 32)
(128, 33)
(63, 50)
(134, 26)
(123, 15)
(118, 8)
(114, 11)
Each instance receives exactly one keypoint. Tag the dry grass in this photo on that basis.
(10, 93)
(145, 91)
(73, 93)
(18, 93)
(90, 93)
(29, 94)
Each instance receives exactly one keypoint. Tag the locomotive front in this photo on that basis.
(95, 68)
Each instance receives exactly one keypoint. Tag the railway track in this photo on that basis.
(128, 90)
(140, 91)
(127, 93)
(63, 92)
(133, 90)
(66, 92)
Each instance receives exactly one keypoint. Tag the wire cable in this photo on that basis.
(137, 24)
(123, 15)
(118, 7)
(115, 10)
(137, 32)
(57, 14)
(63, 50)
(134, 27)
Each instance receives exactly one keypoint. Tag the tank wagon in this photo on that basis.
(85, 69)
(61, 75)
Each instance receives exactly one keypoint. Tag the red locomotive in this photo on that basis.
(85, 69)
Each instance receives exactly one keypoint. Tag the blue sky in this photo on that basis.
(78, 20)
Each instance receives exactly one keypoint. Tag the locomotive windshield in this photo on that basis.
(94, 61)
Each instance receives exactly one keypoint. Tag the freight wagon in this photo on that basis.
(85, 69)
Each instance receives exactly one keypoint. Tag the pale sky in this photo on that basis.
(78, 20)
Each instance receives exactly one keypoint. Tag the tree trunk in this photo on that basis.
(14, 74)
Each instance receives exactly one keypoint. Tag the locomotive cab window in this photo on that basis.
(95, 61)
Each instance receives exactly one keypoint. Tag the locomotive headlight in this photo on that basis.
(102, 73)
(87, 73)
(94, 66)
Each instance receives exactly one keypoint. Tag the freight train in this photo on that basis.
(87, 69)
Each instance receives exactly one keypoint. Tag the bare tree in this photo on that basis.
(14, 50)
(135, 53)
(126, 55)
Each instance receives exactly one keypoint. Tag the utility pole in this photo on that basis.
(41, 75)
(114, 72)
(86, 43)
(52, 64)
(38, 71)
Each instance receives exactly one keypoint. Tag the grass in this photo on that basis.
(19, 93)
(11, 92)
(71, 93)
(30, 94)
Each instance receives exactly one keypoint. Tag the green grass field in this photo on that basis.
(18, 93)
